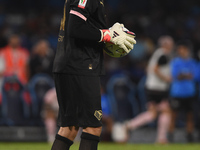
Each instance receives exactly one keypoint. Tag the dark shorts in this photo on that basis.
(156, 96)
(79, 100)
(185, 104)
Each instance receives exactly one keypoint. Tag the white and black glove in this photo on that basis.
(120, 36)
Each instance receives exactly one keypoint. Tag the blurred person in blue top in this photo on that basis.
(183, 87)
(107, 116)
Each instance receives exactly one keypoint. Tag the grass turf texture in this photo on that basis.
(102, 146)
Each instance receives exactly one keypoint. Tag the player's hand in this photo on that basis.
(130, 36)
(119, 35)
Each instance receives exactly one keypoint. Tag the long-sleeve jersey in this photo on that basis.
(79, 50)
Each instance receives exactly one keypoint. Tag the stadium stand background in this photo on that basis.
(149, 19)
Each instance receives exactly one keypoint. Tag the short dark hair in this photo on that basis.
(185, 43)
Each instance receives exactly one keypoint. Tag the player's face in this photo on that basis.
(169, 45)
(183, 51)
(43, 48)
(14, 41)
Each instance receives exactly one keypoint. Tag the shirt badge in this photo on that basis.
(82, 3)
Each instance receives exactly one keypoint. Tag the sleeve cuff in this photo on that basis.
(101, 35)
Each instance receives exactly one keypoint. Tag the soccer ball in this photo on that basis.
(114, 50)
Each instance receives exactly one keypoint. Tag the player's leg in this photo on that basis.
(91, 114)
(172, 125)
(90, 138)
(149, 115)
(50, 109)
(93, 130)
(143, 118)
(68, 98)
(163, 122)
(68, 132)
(51, 127)
(175, 106)
(188, 107)
(64, 138)
(190, 126)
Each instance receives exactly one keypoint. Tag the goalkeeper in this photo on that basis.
(77, 68)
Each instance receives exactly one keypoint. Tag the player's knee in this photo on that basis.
(68, 132)
(153, 113)
(166, 109)
(94, 131)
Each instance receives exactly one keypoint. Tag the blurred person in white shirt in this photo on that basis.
(157, 86)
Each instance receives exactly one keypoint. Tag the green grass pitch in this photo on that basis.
(102, 146)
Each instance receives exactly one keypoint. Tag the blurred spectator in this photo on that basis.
(157, 84)
(107, 117)
(121, 91)
(197, 104)
(183, 86)
(15, 59)
(14, 108)
(50, 114)
(41, 59)
(2, 68)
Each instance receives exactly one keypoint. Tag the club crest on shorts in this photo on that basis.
(90, 66)
(98, 114)
(82, 3)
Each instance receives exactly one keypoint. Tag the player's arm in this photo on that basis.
(185, 76)
(162, 61)
(176, 72)
(78, 27)
(160, 75)
(2, 66)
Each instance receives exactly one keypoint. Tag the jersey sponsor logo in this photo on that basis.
(98, 114)
(82, 3)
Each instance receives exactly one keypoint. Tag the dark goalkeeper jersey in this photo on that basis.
(78, 51)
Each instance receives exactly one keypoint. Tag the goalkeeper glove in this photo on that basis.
(120, 36)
